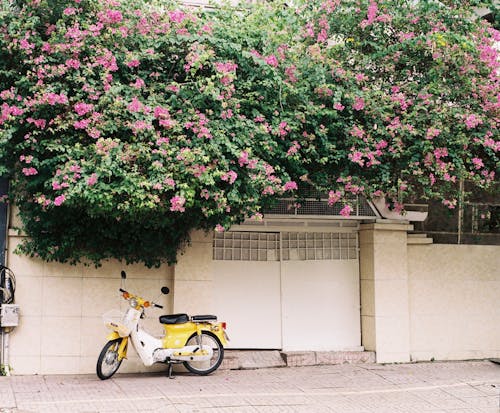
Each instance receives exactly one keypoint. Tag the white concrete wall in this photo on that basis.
(384, 290)
(418, 301)
(454, 301)
(61, 329)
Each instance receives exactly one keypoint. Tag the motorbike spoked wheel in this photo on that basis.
(209, 366)
(108, 363)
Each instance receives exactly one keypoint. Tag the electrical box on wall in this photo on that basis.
(9, 315)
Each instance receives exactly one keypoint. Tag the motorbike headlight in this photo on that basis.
(132, 302)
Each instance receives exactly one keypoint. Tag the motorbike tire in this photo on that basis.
(108, 363)
(206, 367)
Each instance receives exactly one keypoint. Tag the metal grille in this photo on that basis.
(301, 246)
(246, 246)
(361, 207)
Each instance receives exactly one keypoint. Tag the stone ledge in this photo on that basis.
(255, 359)
(252, 359)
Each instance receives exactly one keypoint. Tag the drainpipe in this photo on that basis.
(4, 335)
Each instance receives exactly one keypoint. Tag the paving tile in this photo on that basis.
(454, 387)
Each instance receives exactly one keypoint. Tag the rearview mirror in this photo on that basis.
(165, 290)
(124, 274)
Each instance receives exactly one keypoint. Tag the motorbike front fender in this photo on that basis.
(112, 336)
(122, 349)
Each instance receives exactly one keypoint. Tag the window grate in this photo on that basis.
(304, 246)
(246, 246)
(295, 246)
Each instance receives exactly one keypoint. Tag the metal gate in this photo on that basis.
(291, 290)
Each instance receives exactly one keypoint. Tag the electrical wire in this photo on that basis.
(7, 285)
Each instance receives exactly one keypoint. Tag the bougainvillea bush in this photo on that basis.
(125, 125)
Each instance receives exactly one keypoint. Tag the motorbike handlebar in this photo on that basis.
(157, 305)
(122, 290)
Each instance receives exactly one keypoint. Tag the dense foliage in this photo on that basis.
(125, 125)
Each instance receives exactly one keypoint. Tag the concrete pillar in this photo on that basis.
(193, 276)
(385, 320)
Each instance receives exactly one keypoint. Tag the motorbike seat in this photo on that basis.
(174, 319)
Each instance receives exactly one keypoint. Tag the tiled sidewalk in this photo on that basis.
(451, 387)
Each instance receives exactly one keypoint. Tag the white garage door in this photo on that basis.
(247, 288)
(288, 290)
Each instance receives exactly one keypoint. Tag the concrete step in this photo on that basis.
(251, 359)
(255, 359)
(418, 239)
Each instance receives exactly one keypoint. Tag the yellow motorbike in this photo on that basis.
(197, 341)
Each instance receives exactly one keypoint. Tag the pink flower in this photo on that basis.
(39, 123)
(322, 36)
(243, 159)
(283, 128)
(478, 163)
(356, 157)
(59, 200)
(133, 63)
(219, 228)
(81, 124)
(371, 15)
(226, 114)
(83, 108)
(432, 179)
(268, 190)
(29, 171)
(334, 197)
(359, 104)
(73, 63)
(138, 84)
(293, 149)
(170, 182)
(450, 203)
(471, 121)
(361, 77)
(255, 53)
(177, 204)
(272, 60)
(114, 16)
(432, 133)
(229, 177)
(440, 152)
(290, 72)
(92, 179)
(338, 106)
(357, 132)
(26, 45)
(135, 105)
(177, 16)
(346, 211)
(290, 186)
(226, 67)
(94, 133)
(204, 193)
(173, 88)
(69, 11)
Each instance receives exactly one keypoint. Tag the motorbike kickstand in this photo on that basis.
(170, 371)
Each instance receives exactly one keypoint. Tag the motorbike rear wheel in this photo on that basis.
(108, 363)
(209, 366)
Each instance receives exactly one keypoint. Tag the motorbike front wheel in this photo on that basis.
(108, 363)
(206, 367)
